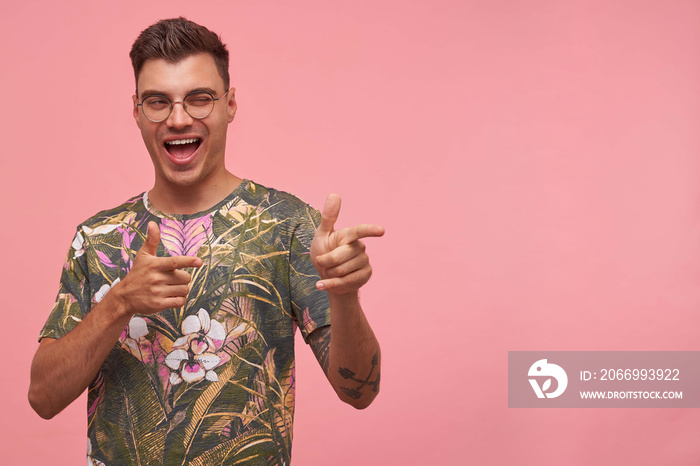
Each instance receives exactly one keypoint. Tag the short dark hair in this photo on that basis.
(175, 39)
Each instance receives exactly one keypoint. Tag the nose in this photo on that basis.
(179, 118)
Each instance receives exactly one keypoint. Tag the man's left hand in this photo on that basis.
(339, 256)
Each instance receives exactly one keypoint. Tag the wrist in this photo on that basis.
(344, 299)
(117, 303)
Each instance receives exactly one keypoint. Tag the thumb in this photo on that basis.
(330, 213)
(150, 245)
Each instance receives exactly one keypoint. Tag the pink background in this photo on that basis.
(535, 165)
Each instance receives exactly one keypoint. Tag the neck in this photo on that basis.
(185, 200)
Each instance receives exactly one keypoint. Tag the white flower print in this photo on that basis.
(194, 354)
(78, 245)
(90, 461)
(137, 329)
(104, 289)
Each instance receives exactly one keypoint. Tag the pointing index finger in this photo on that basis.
(364, 230)
(178, 262)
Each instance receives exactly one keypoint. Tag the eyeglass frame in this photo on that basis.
(184, 107)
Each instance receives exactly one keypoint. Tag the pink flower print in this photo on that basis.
(307, 322)
(105, 260)
(184, 237)
(128, 236)
(194, 354)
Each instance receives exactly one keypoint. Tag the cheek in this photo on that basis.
(218, 134)
(142, 128)
(149, 134)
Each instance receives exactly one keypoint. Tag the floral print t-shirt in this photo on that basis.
(211, 382)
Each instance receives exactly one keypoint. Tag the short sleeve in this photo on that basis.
(310, 305)
(73, 299)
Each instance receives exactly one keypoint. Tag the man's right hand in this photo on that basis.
(154, 283)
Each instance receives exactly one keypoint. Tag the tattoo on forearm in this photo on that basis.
(320, 341)
(356, 392)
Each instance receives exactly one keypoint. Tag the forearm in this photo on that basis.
(354, 359)
(62, 369)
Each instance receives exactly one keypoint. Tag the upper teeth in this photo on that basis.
(183, 141)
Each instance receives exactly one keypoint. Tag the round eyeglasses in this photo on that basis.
(197, 104)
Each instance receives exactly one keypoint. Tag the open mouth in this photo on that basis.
(182, 148)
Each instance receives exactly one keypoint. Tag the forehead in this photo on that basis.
(179, 78)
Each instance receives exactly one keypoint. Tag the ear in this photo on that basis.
(231, 104)
(136, 109)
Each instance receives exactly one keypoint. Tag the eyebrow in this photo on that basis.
(151, 92)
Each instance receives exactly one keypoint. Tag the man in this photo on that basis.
(177, 309)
